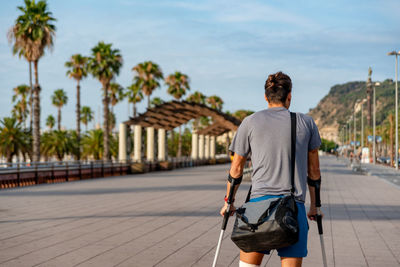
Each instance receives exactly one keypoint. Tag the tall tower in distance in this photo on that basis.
(369, 97)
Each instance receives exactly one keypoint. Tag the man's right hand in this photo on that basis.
(225, 207)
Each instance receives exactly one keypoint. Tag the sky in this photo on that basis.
(227, 48)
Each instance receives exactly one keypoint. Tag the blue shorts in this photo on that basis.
(298, 250)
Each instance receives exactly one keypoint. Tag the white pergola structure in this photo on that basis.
(166, 117)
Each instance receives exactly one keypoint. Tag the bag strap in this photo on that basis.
(293, 128)
(293, 120)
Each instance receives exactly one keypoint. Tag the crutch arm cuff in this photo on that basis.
(235, 181)
(313, 183)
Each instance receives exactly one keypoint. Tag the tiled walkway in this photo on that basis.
(171, 219)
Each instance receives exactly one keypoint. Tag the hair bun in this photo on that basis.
(277, 87)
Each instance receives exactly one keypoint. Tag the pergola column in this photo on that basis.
(137, 143)
(212, 147)
(227, 142)
(150, 144)
(195, 145)
(207, 147)
(201, 146)
(122, 142)
(161, 144)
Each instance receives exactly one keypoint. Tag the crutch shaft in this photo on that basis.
(221, 236)
(321, 239)
(224, 222)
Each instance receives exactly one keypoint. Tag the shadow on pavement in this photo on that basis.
(101, 191)
(338, 212)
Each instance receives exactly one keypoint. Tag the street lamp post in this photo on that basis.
(343, 135)
(362, 125)
(355, 133)
(394, 53)
(349, 132)
(374, 124)
(355, 118)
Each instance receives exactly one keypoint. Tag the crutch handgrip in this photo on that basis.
(317, 195)
(226, 217)
(319, 223)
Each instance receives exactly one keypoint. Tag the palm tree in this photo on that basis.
(148, 74)
(27, 141)
(20, 110)
(74, 148)
(178, 85)
(31, 34)
(241, 114)
(215, 102)
(116, 94)
(21, 53)
(92, 144)
(77, 69)
(104, 64)
(50, 121)
(112, 121)
(59, 99)
(134, 94)
(12, 138)
(56, 143)
(86, 115)
(156, 101)
(197, 97)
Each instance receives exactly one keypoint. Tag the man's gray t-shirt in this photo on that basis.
(266, 136)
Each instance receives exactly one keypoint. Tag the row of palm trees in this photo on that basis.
(17, 140)
(33, 33)
(59, 99)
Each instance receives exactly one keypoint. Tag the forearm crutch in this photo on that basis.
(224, 222)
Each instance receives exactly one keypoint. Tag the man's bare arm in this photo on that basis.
(236, 171)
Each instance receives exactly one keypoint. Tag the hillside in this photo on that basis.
(337, 106)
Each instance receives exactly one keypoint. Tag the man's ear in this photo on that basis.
(289, 96)
(288, 100)
(266, 98)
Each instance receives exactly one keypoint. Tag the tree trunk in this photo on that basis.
(173, 142)
(36, 115)
(9, 158)
(179, 154)
(227, 144)
(134, 109)
(78, 119)
(110, 125)
(106, 123)
(31, 96)
(59, 118)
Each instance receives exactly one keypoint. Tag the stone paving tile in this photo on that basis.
(171, 219)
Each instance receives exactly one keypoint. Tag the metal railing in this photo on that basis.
(28, 173)
(31, 173)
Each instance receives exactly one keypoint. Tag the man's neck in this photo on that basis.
(273, 105)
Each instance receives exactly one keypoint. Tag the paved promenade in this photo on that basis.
(171, 219)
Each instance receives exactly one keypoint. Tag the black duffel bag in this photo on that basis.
(271, 223)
